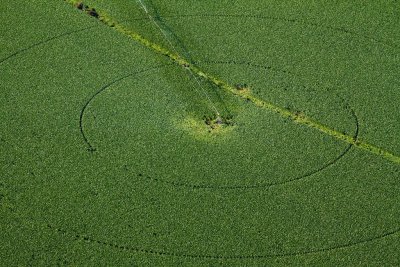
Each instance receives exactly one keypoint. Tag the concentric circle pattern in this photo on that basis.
(114, 148)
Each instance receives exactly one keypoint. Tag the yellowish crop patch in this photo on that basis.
(205, 130)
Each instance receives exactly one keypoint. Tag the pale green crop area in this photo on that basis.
(111, 153)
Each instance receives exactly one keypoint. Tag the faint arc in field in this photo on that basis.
(298, 21)
(44, 42)
(122, 247)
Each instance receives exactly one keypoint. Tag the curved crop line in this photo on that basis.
(122, 247)
(44, 42)
(81, 115)
(302, 120)
(102, 89)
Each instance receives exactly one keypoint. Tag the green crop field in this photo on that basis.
(199, 133)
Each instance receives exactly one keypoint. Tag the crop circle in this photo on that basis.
(93, 115)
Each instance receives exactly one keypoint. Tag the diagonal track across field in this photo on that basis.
(247, 95)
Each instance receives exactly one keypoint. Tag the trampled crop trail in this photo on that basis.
(188, 69)
(247, 95)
